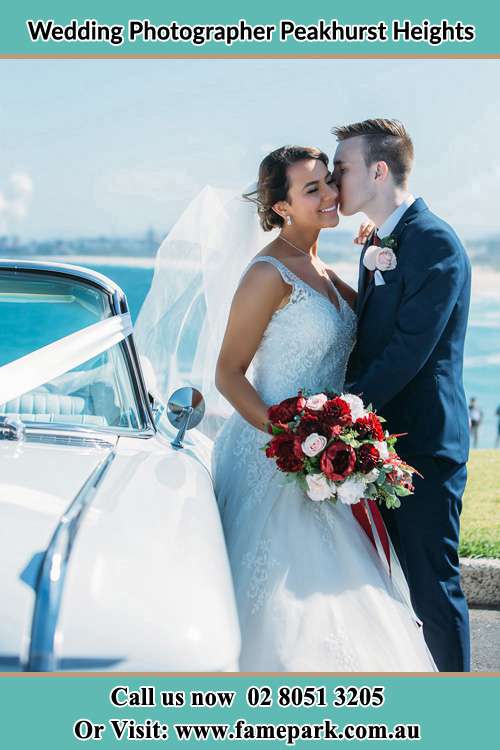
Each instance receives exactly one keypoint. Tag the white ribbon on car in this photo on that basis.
(50, 361)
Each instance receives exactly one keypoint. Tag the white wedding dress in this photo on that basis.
(311, 590)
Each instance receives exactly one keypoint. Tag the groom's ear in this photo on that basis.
(381, 171)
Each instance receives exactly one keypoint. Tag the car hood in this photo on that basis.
(148, 585)
(38, 481)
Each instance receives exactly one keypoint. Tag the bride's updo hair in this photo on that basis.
(273, 185)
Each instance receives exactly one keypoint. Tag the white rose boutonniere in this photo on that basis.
(383, 257)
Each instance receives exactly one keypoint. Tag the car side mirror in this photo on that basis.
(185, 410)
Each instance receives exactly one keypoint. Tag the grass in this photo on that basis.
(480, 520)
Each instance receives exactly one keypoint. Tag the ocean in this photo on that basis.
(482, 348)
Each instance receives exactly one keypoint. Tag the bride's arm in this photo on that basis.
(258, 296)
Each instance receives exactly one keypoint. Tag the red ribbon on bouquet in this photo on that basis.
(360, 513)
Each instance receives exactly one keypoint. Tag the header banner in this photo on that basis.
(220, 28)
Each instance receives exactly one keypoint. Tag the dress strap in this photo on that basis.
(288, 276)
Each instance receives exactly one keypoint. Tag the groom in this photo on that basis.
(408, 363)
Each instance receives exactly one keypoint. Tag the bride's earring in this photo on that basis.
(289, 221)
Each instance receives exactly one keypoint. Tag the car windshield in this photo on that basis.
(37, 309)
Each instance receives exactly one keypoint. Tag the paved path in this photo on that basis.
(485, 631)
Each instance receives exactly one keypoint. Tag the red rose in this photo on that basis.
(338, 461)
(281, 426)
(287, 450)
(310, 423)
(369, 427)
(336, 411)
(330, 430)
(287, 409)
(368, 457)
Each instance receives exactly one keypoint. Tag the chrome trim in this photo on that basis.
(11, 429)
(118, 304)
(76, 441)
(90, 432)
(50, 584)
(66, 269)
(67, 663)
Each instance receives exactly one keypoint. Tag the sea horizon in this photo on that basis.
(482, 350)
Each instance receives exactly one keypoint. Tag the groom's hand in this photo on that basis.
(364, 232)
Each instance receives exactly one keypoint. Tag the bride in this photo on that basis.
(311, 591)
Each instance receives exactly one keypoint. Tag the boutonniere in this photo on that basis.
(382, 257)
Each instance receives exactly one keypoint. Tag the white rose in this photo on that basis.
(355, 405)
(316, 402)
(314, 444)
(351, 490)
(382, 448)
(318, 487)
(372, 476)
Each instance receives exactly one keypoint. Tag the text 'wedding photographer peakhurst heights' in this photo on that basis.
(332, 31)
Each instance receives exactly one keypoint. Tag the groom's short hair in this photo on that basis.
(383, 140)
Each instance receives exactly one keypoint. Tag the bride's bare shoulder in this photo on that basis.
(271, 249)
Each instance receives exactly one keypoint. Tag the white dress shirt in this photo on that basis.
(391, 222)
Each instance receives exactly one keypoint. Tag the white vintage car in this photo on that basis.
(112, 555)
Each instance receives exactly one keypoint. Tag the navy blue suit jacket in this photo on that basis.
(408, 359)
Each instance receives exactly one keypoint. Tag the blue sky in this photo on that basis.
(116, 146)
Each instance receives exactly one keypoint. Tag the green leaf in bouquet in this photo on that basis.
(311, 465)
(371, 491)
(403, 492)
(389, 489)
(275, 430)
(393, 502)
(350, 438)
(308, 466)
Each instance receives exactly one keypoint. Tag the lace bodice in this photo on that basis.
(306, 343)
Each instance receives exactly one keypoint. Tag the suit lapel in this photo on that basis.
(364, 292)
(411, 213)
(366, 295)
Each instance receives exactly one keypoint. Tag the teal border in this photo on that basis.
(15, 40)
(459, 713)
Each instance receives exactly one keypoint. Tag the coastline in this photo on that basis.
(485, 279)
(123, 261)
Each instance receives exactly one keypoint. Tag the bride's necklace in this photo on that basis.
(304, 252)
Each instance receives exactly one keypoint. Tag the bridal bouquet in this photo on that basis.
(336, 449)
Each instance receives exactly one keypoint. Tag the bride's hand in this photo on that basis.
(364, 232)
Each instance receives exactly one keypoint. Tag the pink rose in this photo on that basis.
(314, 444)
(316, 402)
(385, 260)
